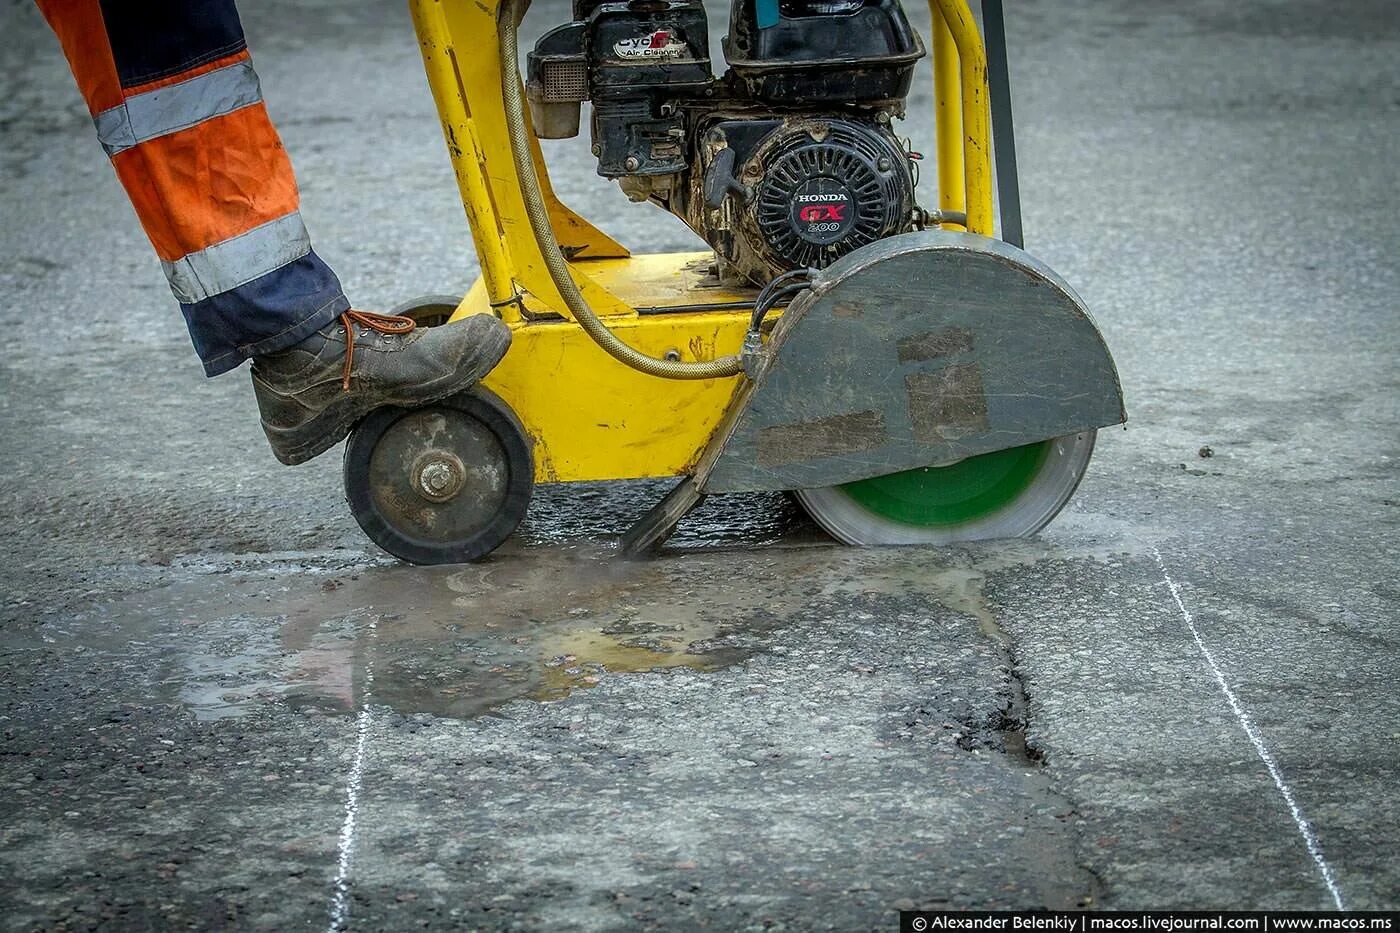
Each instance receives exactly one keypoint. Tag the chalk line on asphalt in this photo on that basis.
(1255, 737)
(345, 851)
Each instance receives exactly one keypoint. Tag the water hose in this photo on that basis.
(543, 230)
(784, 286)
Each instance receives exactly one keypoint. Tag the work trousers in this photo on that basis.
(179, 110)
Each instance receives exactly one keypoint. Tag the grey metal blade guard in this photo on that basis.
(916, 350)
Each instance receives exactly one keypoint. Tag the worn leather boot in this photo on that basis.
(313, 393)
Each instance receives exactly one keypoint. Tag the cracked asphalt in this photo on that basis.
(221, 707)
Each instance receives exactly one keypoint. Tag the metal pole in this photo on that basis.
(977, 133)
(947, 95)
(1003, 133)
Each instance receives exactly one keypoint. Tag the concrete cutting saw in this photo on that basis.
(903, 367)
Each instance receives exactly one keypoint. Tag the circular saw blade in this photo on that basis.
(1007, 494)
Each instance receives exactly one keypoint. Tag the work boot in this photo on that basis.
(311, 394)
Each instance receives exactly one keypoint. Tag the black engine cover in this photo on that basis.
(827, 187)
(785, 161)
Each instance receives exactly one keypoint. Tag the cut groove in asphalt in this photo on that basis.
(345, 852)
(969, 596)
(1255, 737)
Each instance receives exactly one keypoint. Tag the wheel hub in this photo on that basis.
(438, 475)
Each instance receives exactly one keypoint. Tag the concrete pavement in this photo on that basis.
(220, 705)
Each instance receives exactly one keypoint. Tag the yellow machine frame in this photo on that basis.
(589, 416)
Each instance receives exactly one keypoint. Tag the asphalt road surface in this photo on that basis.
(220, 705)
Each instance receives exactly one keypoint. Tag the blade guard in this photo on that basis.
(916, 350)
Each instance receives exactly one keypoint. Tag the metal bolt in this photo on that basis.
(597, 149)
(439, 475)
(883, 165)
(882, 117)
(672, 355)
(436, 477)
(632, 163)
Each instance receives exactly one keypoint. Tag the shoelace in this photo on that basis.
(381, 323)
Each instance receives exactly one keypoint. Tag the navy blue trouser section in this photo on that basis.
(267, 314)
(153, 39)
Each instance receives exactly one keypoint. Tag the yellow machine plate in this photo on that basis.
(591, 418)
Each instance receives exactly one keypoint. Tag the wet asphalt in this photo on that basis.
(220, 706)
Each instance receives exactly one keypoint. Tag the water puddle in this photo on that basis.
(533, 622)
(540, 628)
(457, 642)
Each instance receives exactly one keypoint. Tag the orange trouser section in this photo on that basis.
(208, 183)
(80, 29)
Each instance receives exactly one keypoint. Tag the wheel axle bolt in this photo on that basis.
(439, 476)
(436, 477)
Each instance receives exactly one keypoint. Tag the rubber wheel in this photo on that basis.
(443, 484)
(1006, 494)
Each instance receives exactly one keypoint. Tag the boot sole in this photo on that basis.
(293, 446)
